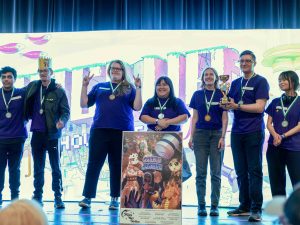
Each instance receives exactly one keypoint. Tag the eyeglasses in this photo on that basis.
(6, 76)
(248, 61)
(116, 69)
(43, 71)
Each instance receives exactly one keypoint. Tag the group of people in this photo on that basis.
(45, 103)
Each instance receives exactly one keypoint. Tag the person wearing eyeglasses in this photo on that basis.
(115, 101)
(208, 130)
(48, 108)
(284, 126)
(13, 131)
(248, 96)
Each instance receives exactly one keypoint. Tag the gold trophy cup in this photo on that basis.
(224, 87)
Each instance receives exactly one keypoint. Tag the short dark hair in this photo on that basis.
(8, 69)
(292, 77)
(248, 52)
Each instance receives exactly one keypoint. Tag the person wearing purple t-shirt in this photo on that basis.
(115, 101)
(284, 126)
(249, 95)
(48, 108)
(208, 129)
(13, 131)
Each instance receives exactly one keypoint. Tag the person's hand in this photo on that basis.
(60, 124)
(163, 123)
(191, 145)
(158, 128)
(221, 144)
(86, 79)
(230, 105)
(277, 139)
(137, 81)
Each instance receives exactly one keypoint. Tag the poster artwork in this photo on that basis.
(151, 185)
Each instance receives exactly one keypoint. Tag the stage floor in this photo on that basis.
(99, 214)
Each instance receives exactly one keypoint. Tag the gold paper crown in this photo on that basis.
(45, 63)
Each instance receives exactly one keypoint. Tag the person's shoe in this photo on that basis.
(202, 210)
(85, 203)
(214, 211)
(58, 203)
(38, 200)
(255, 217)
(238, 212)
(114, 204)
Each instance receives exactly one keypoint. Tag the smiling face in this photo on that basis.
(285, 84)
(174, 165)
(247, 64)
(116, 72)
(45, 75)
(8, 80)
(209, 77)
(162, 89)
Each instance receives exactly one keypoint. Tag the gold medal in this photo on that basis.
(207, 118)
(112, 97)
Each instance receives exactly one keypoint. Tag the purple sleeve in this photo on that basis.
(146, 109)
(92, 96)
(181, 108)
(270, 109)
(193, 101)
(262, 91)
(132, 96)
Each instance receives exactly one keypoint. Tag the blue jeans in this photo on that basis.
(247, 157)
(206, 147)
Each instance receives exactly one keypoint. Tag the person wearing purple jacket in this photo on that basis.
(13, 131)
(248, 96)
(284, 142)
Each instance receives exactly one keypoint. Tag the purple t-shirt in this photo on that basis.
(168, 111)
(257, 88)
(293, 117)
(115, 114)
(13, 127)
(38, 121)
(215, 111)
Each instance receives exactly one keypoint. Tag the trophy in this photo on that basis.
(224, 87)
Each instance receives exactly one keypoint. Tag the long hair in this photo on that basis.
(216, 77)
(172, 99)
(126, 86)
(292, 77)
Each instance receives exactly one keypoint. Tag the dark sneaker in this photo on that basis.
(214, 211)
(38, 200)
(255, 217)
(238, 212)
(113, 205)
(59, 204)
(85, 203)
(202, 210)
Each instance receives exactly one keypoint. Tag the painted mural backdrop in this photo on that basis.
(182, 55)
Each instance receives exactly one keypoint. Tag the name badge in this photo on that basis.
(248, 88)
(157, 108)
(16, 97)
(215, 103)
(104, 88)
(279, 107)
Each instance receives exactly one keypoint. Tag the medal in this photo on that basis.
(8, 115)
(207, 118)
(161, 116)
(41, 111)
(284, 123)
(112, 97)
(241, 102)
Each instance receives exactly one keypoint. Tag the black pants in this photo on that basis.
(103, 142)
(40, 144)
(11, 154)
(247, 157)
(278, 159)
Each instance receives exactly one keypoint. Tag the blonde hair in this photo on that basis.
(23, 212)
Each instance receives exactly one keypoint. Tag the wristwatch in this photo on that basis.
(156, 121)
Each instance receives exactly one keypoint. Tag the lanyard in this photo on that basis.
(208, 104)
(41, 94)
(162, 106)
(243, 88)
(7, 103)
(114, 89)
(285, 112)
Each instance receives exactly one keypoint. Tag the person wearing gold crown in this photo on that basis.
(12, 130)
(48, 108)
(115, 101)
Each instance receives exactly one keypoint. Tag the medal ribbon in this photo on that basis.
(41, 94)
(208, 104)
(161, 107)
(114, 89)
(285, 112)
(243, 88)
(7, 103)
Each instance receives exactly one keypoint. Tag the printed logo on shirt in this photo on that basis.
(157, 108)
(104, 88)
(50, 99)
(214, 103)
(248, 88)
(16, 97)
